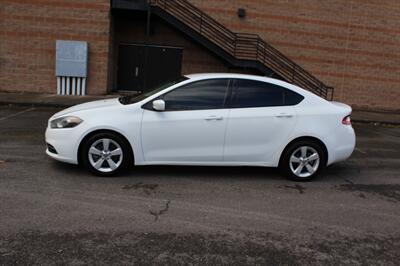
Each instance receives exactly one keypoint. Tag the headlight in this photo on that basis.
(65, 122)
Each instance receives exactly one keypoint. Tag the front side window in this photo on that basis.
(199, 95)
(252, 93)
(137, 98)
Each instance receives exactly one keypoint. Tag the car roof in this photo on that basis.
(282, 83)
(238, 76)
(223, 75)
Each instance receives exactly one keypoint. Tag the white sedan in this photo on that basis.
(206, 119)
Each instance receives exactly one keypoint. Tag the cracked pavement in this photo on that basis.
(54, 213)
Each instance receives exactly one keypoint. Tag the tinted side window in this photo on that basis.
(292, 98)
(199, 95)
(252, 93)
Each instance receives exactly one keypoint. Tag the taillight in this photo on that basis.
(346, 120)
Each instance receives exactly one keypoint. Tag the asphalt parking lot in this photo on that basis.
(53, 213)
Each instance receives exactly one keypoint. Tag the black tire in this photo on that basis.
(126, 160)
(285, 164)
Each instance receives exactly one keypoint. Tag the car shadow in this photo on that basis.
(334, 173)
(161, 171)
(206, 172)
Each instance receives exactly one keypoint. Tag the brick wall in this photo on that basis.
(28, 33)
(353, 45)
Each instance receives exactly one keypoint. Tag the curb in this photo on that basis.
(37, 104)
(366, 121)
(62, 105)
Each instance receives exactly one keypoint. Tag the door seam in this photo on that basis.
(225, 133)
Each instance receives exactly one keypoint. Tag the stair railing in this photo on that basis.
(243, 46)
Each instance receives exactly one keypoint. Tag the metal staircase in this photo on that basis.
(239, 49)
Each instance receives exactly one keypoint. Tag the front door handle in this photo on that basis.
(213, 117)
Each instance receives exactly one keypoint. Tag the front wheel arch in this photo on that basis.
(90, 134)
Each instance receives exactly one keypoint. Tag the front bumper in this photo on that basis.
(65, 142)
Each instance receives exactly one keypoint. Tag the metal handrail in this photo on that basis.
(243, 46)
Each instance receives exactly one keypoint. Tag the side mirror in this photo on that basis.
(159, 105)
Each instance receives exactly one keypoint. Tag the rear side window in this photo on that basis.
(199, 95)
(292, 98)
(252, 93)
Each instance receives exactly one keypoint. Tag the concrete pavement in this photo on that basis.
(55, 213)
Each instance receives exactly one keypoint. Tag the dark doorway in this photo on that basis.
(142, 67)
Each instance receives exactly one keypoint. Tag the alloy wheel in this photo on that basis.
(105, 155)
(304, 161)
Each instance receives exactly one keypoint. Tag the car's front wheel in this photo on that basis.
(303, 160)
(105, 154)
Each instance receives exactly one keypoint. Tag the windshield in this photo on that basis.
(137, 98)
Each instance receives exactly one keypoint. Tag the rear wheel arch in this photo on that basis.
(305, 138)
(303, 159)
(92, 133)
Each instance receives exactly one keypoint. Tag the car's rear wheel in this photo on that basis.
(106, 154)
(303, 160)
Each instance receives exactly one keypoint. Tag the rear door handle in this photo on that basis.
(284, 116)
(213, 117)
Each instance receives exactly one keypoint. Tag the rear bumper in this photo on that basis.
(344, 147)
